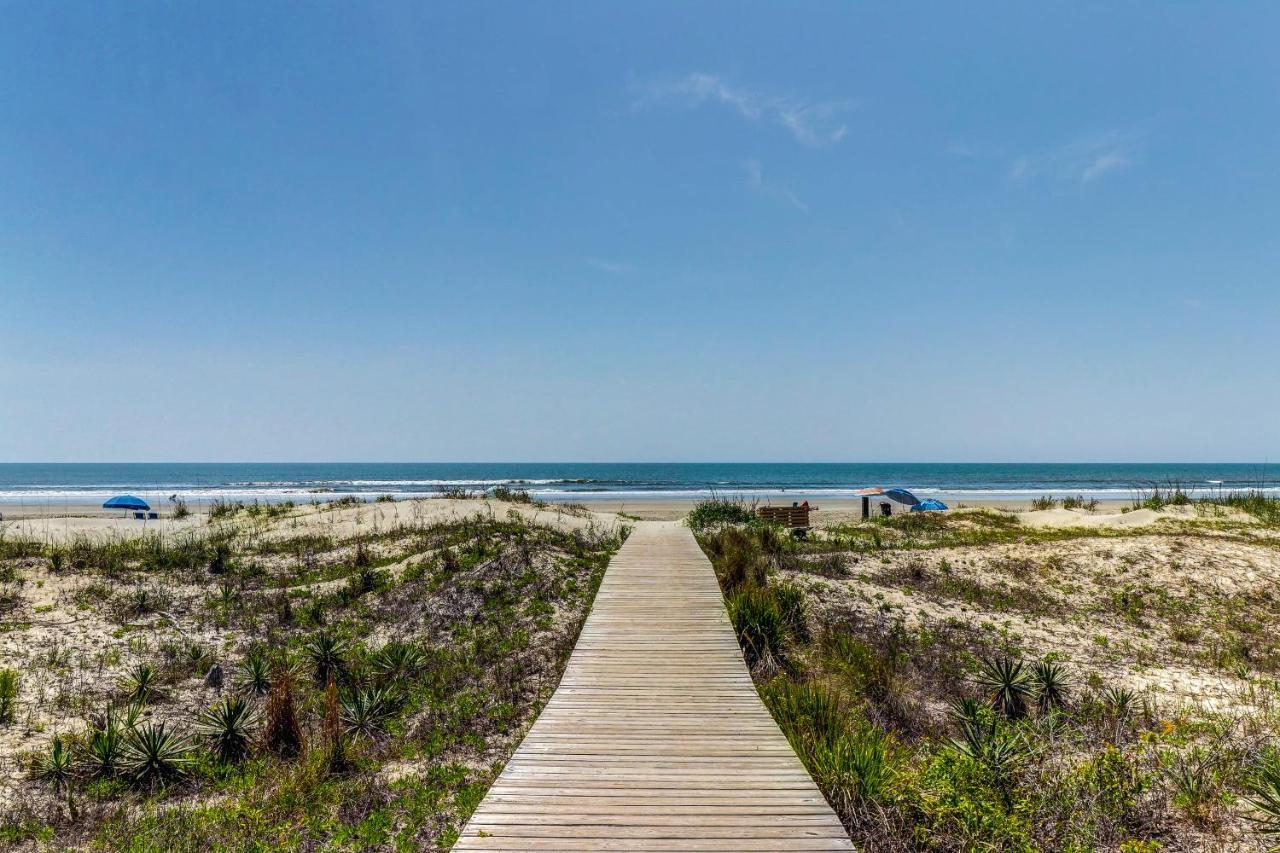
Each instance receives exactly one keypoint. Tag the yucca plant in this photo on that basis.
(365, 709)
(998, 750)
(1195, 787)
(142, 602)
(141, 684)
(1051, 685)
(129, 716)
(1007, 685)
(396, 660)
(1264, 798)
(104, 747)
(10, 683)
(196, 658)
(329, 655)
(971, 711)
(1120, 701)
(253, 676)
(228, 727)
(56, 767)
(154, 755)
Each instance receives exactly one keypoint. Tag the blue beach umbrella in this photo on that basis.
(126, 502)
(928, 505)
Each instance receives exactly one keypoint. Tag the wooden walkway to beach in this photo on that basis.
(656, 738)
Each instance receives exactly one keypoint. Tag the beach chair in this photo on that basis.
(153, 515)
(140, 515)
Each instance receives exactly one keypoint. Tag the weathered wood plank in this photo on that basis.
(656, 739)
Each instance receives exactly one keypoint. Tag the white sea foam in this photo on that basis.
(544, 489)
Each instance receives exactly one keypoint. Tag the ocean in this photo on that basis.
(71, 483)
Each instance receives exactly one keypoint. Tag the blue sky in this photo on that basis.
(970, 232)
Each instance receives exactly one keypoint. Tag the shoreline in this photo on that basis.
(648, 509)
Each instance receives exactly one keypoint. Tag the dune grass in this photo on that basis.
(946, 737)
(370, 714)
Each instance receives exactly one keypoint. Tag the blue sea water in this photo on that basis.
(83, 483)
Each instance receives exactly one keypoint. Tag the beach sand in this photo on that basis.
(62, 522)
(59, 522)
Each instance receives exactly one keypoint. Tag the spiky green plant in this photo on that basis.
(850, 770)
(329, 655)
(1007, 685)
(1264, 798)
(993, 746)
(761, 628)
(141, 683)
(1051, 685)
(1121, 702)
(129, 716)
(104, 747)
(195, 658)
(154, 755)
(806, 712)
(791, 605)
(253, 676)
(228, 726)
(56, 766)
(971, 712)
(396, 660)
(1195, 786)
(10, 684)
(364, 710)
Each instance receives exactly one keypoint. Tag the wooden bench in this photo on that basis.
(794, 518)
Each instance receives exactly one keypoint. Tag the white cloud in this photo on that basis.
(756, 181)
(1082, 160)
(1104, 163)
(811, 123)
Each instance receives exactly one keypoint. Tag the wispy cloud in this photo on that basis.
(1082, 160)
(1104, 163)
(609, 266)
(813, 123)
(756, 181)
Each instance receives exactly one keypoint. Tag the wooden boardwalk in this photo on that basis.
(656, 738)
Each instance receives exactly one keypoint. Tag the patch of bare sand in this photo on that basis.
(57, 525)
(1115, 518)
(348, 520)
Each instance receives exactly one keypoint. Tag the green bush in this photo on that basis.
(806, 712)
(761, 627)
(851, 770)
(10, 683)
(718, 512)
(737, 558)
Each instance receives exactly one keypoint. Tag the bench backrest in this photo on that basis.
(788, 516)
